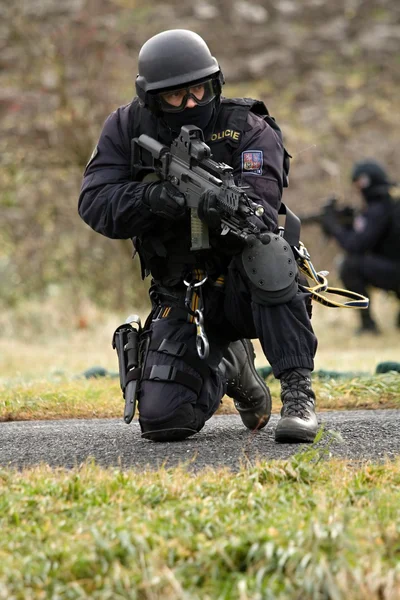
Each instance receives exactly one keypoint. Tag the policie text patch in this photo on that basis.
(252, 162)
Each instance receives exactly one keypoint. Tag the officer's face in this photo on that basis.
(359, 185)
(362, 182)
(175, 98)
(188, 97)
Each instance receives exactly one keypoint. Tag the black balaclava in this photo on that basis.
(200, 116)
(374, 180)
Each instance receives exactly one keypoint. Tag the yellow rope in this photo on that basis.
(307, 268)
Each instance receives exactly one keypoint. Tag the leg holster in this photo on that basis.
(169, 373)
(171, 395)
(126, 343)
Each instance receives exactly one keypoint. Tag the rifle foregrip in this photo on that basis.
(199, 232)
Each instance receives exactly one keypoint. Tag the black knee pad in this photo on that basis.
(186, 421)
(271, 269)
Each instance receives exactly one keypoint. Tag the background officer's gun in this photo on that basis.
(189, 167)
(344, 215)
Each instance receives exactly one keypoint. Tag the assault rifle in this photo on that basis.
(187, 164)
(344, 215)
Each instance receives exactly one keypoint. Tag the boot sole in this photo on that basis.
(262, 421)
(289, 436)
(251, 356)
(173, 434)
(257, 423)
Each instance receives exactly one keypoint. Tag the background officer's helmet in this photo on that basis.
(173, 59)
(369, 174)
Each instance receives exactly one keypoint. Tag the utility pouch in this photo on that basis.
(126, 343)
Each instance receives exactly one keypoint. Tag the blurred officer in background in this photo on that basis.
(180, 83)
(372, 245)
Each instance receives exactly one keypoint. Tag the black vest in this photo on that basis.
(166, 255)
(227, 131)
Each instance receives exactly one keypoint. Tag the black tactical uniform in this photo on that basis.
(174, 403)
(373, 244)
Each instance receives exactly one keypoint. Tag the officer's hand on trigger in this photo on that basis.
(165, 200)
(208, 211)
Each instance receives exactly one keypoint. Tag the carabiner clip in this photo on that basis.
(202, 345)
(197, 284)
(190, 288)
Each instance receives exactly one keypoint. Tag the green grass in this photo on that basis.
(43, 399)
(305, 528)
(102, 398)
(39, 374)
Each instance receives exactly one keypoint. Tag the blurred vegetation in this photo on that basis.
(329, 73)
(300, 528)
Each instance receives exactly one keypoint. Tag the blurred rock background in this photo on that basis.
(328, 71)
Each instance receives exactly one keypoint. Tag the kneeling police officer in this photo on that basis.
(180, 83)
(372, 244)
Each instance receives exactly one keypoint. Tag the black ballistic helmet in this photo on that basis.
(372, 173)
(171, 59)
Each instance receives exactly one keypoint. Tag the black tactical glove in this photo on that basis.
(165, 201)
(208, 211)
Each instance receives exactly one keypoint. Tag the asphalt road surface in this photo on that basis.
(366, 435)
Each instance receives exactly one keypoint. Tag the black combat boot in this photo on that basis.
(298, 421)
(250, 394)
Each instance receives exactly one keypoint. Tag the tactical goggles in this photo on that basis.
(173, 101)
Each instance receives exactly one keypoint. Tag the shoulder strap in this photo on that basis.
(258, 108)
(141, 120)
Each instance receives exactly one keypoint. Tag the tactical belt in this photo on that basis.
(167, 307)
(172, 312)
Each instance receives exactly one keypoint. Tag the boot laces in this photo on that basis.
(297, 395)
(239, 393)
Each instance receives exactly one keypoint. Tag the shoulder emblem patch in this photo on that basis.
(252, 161)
